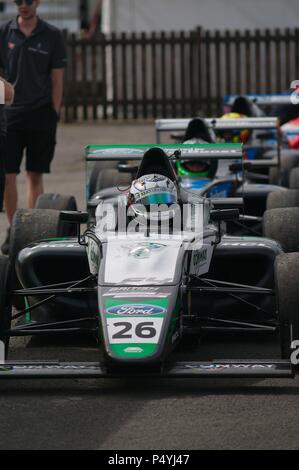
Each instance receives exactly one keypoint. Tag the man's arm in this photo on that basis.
(57, 88)
(6, 92)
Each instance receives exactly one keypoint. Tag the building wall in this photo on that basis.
(149, 15)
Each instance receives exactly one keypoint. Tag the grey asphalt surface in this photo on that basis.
(139, 414)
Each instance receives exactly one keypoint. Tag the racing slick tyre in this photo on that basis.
(287, 198)
(294, 178)
(56, 201)
(288, 162)
(59, 202)
(112, 178)
(282, 225)
(274, 176)
(285, 153)
(30, 225)
(97, 168)
(5, 301)
(287, 294)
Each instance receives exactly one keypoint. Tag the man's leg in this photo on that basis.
(10, 195)
(2, 185)
(13, 157)
(35, 187)
(10, 202)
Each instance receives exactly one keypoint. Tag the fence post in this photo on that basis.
(287, 64)
(154, 73)
(124, 74)
(66, 78)
(191, 68)
(297, 54)
(268, 60)
(248, 60)
(278, 60)
(257, 61)
(144, 75)
(199, 33)
(114, 76)
(163, 74)
(218, 74)
(104, 92)
(173, 77)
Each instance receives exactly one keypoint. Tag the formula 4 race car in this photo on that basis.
(229, 179)
(284, 107)
(139, 290)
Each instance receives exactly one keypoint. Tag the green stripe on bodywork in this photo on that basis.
(149, 301)
(120, 350)
(56, 239)
(167, 146)
(28, 313)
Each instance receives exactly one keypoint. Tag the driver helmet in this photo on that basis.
(197, 169)
(198, 132)
(152, 197)
(235, 137)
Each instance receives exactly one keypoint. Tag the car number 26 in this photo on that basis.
(134, 330)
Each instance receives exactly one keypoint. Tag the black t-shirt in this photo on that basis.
(27, 63)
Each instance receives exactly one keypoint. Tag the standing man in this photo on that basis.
(32, 55)
(6, 98)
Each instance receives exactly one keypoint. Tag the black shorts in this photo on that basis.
(34, 134)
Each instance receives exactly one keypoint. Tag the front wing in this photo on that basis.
(93, 370)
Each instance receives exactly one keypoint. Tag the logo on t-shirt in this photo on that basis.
(11, 45)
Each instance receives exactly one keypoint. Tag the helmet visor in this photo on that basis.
(161, 198)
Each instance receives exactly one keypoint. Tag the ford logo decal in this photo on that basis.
(135, 309)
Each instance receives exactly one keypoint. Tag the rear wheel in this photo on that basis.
(56, 201)
(289, 198)
(286, 281)
(282, 176)
(59, 202)
(294, 178)
(282, 225)
(5, 301)
(111, 178)
(31, 225)
(97, 168)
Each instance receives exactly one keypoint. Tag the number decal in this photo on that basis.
(145, 330)
(134, 330)
(122, 334)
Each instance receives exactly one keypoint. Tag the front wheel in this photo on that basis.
(5, 302)
(30, 225)
(287, 294)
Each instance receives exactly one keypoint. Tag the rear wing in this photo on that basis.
(175, 125)
(120, 153)
(261, 100)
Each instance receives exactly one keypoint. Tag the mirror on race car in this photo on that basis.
(127, 168)
(224, 215)
(227, 203)
(75, 217)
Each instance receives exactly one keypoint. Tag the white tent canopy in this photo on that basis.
(159, 15)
